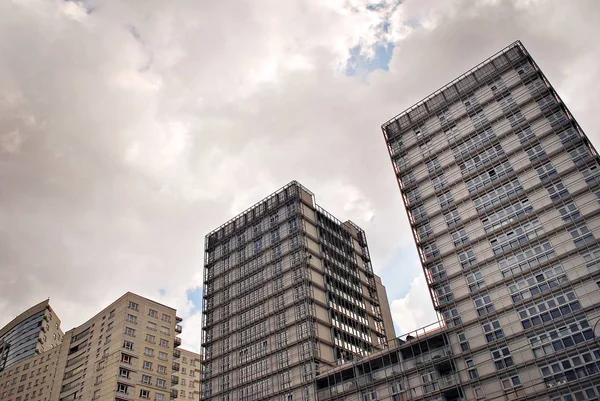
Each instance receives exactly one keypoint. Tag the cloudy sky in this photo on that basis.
(131, 128)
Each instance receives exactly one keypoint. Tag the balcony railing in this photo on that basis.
(174, 380)
(448, 381)
(176, 366)
(178, 329)
(173, 394)
(178, 319)
(177, 342)
(176, 353)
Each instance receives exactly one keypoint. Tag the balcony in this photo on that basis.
(177, 342)
(178, 329)
(174, 380)
(176, 353)
(178, 319)
(176, 366)
(448, 381)
(173, 394)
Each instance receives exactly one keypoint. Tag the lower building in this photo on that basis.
(128, 351)
(187, 374)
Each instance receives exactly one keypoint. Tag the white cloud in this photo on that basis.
(413, 311)
(129, 132)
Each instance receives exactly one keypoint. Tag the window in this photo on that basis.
(556, 339)
(484, 179)
(128, 345)
(507, 215)
(133, 305)
(475, 281)
(125, 359)
(433, 165)
(96, 394)
(147, 365)
(569, 212)
(502, 358)
(162, 356)
(517, 237)
(146, 379)
(165, 330)
(129, 332)
(148, 351)
(123, 373)
(161, 369)
(510, 382)
(460, 237)
(484, 305)
(144, 393)
(467, 258)
(107, 339)
(452, 317)
(438, 182)
(98, 379)
(164, 343)
(161, 383)
(130, 319)
(471, 369)
(571, 368)
(151, 326)
(166, 318)
(548, 309)
(153, 313)
(436, 271)
(526, 259)
(444, 294)
(452, 218)
(159, 397)
(493, 331)
(498, 196)
(462, 339)
(446, 199)
(150, 338)
(557, 192)
(369, 396)
(581, 235)
(537, 283)
(122, 388)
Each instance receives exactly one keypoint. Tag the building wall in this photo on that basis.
(501, 188)
(126, 352)
(30, 379)
(282, 285)
(188, 377)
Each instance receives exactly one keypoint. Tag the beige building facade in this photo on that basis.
(188, 376)
(128, 351)
(288, 292)
(502, 190)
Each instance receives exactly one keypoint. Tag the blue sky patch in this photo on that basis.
(195, 296)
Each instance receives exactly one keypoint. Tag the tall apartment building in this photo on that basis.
(31, 333)
(129, 351)
(501, 187)
(188, 377)
(288, 291)
(125, 352)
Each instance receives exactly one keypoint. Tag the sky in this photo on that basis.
(129, 129)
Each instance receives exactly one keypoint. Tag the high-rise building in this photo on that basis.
(125, 352)
(288, 291)
(188, 376)
(501, 187)
(128, 351)
(31, 333)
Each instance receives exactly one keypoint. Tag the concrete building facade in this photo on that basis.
(501, 186)
(188, 377)
(288, 292)
(128, 351)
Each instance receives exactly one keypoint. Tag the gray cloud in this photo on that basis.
(128, 133)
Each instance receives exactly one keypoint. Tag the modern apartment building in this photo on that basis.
(31, 333)
(501, 187)
(288, 291)
(129, 351)
(125, 352)
(188, 376)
